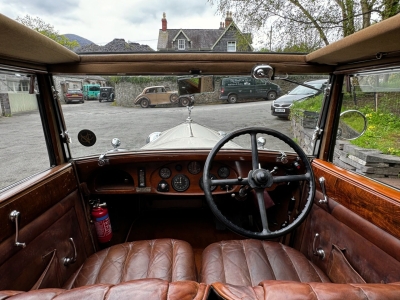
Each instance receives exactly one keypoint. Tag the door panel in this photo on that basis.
(359, 222)
(50, 213)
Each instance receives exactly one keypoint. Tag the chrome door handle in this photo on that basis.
(322, 183)
(70, 260)
(14, 218)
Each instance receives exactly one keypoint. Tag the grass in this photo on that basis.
(383, 131)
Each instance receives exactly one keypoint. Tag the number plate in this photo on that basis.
(279, 110)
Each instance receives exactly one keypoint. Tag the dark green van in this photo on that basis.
(234, 88)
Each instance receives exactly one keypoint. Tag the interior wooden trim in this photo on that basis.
(371, 200)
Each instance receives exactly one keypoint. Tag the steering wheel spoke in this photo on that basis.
(263, 212)
(291, 178)
(242, 181)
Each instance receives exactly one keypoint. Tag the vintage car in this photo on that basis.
(107, 93)
(154, 95)
(253, 213)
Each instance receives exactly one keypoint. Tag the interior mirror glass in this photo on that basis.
(352, 125)
(195, 85)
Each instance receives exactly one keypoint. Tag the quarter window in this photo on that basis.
(21, 131)
(231, 47)
(181, 44)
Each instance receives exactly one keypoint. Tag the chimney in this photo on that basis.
(164, 23)
(221, 25)
(228, 19)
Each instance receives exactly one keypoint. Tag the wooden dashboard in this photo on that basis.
(171, 173)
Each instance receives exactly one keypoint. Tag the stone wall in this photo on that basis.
(368, 162)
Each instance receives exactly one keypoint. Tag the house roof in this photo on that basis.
(229, 28)
(201, 39)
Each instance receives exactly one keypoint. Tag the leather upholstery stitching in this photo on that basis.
(361, 289)
(291, 261)
(316, 272)
(131, 245)
(269, 262)
(174, 251)
(101, 265)
(222, 257)
(151, 243)
(313, 290)
(247, 264)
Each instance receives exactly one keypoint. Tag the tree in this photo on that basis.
(296, 20)
(48, 30)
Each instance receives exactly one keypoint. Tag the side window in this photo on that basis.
(260, 82)
(371, 107)
(24, 151)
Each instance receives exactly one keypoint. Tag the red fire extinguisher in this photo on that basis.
(102, 222)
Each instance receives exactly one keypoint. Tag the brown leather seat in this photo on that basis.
(143, 289)
(167, 259)
(277, 290)
(248, 262)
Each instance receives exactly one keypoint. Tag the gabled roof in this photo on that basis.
(201, 39)
(226, 30)
(181, 31)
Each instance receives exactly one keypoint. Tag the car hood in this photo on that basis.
(290, 98)
(188, 135)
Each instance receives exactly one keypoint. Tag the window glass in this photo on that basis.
(231, 47)
(24, 151)
(376, 153)
(181, 44)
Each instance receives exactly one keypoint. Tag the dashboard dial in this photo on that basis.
(213, 187)
(223, 172)
(194, 167)
(180, 183)
(165, 173)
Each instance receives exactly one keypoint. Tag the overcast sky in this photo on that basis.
(103, 20)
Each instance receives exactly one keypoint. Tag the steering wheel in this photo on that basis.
(258, 179)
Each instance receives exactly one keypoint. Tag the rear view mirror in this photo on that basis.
(352, 125)
(195, 85)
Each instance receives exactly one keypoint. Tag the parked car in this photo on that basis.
(197, 213)
(107, 93)
(73, 95)
(234, 88)
(91, 91)
(281, 106)
(153, 95)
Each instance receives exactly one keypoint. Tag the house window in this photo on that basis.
(181, 44)
(231, 47)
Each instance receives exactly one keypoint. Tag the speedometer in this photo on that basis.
(180, 183)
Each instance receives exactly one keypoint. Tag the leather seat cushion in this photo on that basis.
(167, 259)
(277, 290)
(248, 262)
(143, 289)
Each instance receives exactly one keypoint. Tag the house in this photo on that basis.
(227, 38)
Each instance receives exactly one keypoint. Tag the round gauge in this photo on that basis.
(223, 172)
(213, 187)
(194, 167)
(180, 183)
(165, 173)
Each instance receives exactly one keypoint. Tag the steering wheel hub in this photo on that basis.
(260, 178)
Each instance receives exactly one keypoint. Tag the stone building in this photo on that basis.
(227, 38)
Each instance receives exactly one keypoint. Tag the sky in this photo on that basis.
(101, 21)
